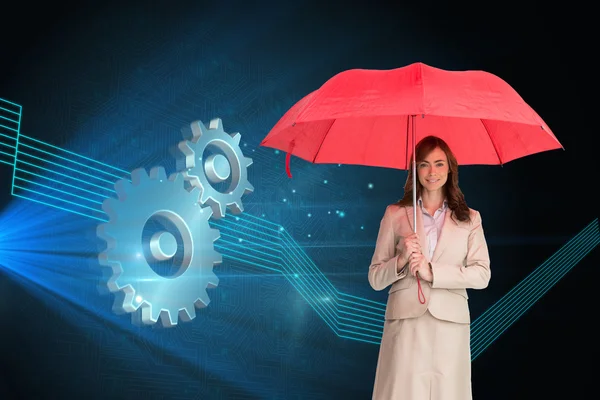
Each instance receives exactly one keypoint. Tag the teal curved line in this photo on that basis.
(260, 243)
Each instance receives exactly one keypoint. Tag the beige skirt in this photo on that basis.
(424, 358)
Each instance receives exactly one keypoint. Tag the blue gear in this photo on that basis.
(158, 200)
(216, 168)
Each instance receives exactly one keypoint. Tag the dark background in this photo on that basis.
(56, 55)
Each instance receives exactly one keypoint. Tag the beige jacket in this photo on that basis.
(460, 261)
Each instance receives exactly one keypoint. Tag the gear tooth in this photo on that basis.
(203, 300)
(217, 258)
(168, 318)
(205, 197)
(236, 137)
(187, 153)
(109, 206)
(149, 315)
(197, 130)
(103, 232)
(236, 207)
(186, 132)
(104, 258)
(191, 186)
(176, 178)
(122, 187)
(216, 124)
(117, 306)
(249, 161)
(138, 175)
(213, 280)
(207, 212)
(158, 173)
(112, 284)
(249, 188)
(187, 314)
(129, 293)
(219, 210)
(216, 234)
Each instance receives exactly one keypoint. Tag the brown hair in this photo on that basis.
(455, 197)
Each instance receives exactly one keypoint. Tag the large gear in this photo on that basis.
(207, 171)
(156, 222)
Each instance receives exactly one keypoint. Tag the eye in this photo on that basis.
(439, 164)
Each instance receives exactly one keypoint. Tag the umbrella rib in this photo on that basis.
(322, 141)
(492, 139)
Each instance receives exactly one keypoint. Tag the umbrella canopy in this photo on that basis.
(376, 118)
(363, 117)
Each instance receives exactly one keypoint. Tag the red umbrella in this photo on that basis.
(373, 118)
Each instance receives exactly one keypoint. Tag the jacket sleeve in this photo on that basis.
(476, 272)
(383, 271)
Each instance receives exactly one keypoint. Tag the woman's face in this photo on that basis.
(433, 171)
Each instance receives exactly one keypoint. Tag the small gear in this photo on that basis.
(226, 166)
(157, 224)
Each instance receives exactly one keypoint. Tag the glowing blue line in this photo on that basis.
(481, 347)
(9, 128)
(277, 261)
(383, 305)
(379, 314)
(62, 183)
(263, 221)
(256, 244)
(312, 292)
(8, 137)
(534, 285)
(360, 340)
(298, 286)
(335, 292)
(335, 309)
(11, 103)
(251, 223)
(6, 162)
(490, 329)
(379, 325)
(286, 237)
(55, 206)
(243, 261)
(66, 176)
(69, 168)
(514, 292)
(10, 146)
(533, 296)
(75, 162)
(297, 264)
(78, 155)
(8, 119)
(7, 154)
(12, 189)
(58, 190)
(296, 257)
(56, 198)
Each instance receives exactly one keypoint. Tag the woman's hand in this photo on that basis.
(419, 264)
(411, 245)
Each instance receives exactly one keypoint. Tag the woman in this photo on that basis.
(425, 348)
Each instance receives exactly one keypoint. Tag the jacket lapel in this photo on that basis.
(445, 235)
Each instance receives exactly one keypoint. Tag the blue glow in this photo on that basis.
(78, 184)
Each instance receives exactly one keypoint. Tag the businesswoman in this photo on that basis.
(425, 348)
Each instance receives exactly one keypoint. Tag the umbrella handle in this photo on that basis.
(287, 164)
(420, 292)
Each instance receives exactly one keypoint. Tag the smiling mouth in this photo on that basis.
(432, 180)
